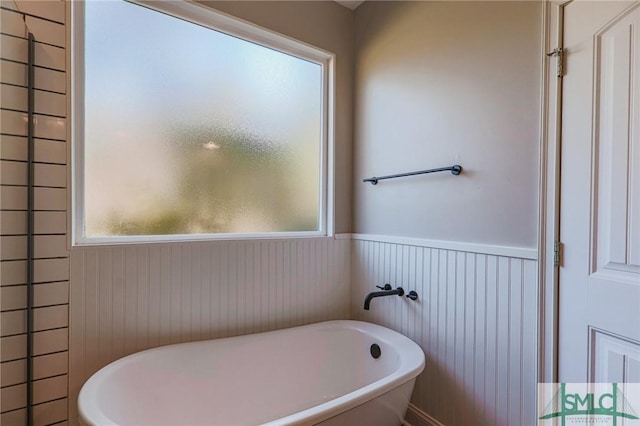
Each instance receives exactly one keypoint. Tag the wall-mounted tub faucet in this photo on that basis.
(387, 291)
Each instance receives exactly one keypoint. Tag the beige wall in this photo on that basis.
(329, 26)
(442, 83)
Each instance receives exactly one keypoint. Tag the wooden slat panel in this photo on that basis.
(44, 366)
(129, 298)
(17, 24)
(12, 23)
(13, 223)
(13, 97)
(13, 198)
(13, 373)
(12, 348)
(13, 272)
(50, 413)
(45, 79)
(51, 294)
(51, 80)
(50, 151)
(51, 270)
(49, 389)
(13, 322)
(45, 127)
(46, 31)
(13, 173)
(50, 317)
(50, 223)
(45, 246)
(50, 103)
(50, 365)
(45, 342)
(14, 297)
(17, 417)
(13, 248)
(50, 199)
(13, 73)
(47, 56)
(13, 397)
(475, 320)
(53, 10)
(17, 18)
(51, 175)
(13, 148)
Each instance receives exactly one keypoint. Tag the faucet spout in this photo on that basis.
(367, 301)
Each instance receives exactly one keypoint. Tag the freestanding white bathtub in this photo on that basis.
(322, 373)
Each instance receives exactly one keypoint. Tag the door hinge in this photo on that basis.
(557, 246)
(558, 52)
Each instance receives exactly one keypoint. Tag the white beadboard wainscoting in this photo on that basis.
(475, 319)
(132, 297)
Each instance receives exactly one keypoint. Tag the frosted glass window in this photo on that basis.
(188, 130)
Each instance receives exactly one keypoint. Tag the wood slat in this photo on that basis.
(45, 390)
(13, 397)
(47, 56)
(50, 413)
(13, 223)
(13, 322)
(47, 246)
(45, 366)
(47, 151)
(13, 198)
(51, 270)
(45, 127)
(13, 348)
(53, 10)
(13, 272)
(50, 199)
(13, 373)
(17, 24)
(46, 342)
(17, 417)
(44, 79)
(13, 148)
(12, 298)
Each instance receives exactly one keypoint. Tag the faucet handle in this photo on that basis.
(412, 295)
(386, 287)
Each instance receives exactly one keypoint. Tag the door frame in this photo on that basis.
(549, 245)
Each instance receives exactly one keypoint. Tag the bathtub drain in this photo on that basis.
(375, 351)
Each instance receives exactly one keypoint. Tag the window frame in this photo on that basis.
(218, 21)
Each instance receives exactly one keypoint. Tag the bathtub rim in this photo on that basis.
(410, 365)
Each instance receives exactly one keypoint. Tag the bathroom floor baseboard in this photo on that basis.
(417, 417)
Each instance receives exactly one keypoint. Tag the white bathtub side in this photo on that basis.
(241, 375)
(388, 409)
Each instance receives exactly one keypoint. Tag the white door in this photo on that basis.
(599, 300)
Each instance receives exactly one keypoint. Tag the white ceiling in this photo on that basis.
(351, 4)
